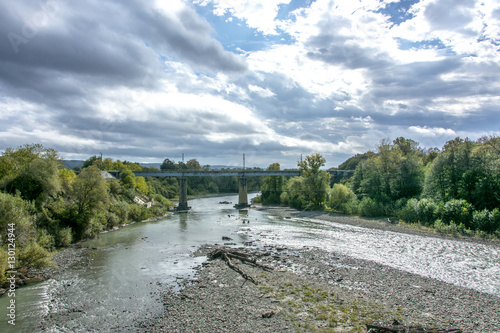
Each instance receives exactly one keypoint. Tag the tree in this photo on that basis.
(90, 196)
(141, 185)
(193, 165)
(168, 165)
(352, 162)
(406, 146)
(316, 182)
(294, 194)
(396, 172)
(33, 172)
(311, 164)
(128, 179)
(93, 160)
(272, 186)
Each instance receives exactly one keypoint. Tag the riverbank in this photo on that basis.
(310, 290)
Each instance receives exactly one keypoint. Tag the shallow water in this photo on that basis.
(118, 284)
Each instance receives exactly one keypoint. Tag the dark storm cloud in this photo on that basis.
(107, 38)
(68, 58)
(97, 44)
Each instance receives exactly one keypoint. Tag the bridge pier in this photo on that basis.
(242, 193)
(183, 197)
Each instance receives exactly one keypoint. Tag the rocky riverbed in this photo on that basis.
(312, 290)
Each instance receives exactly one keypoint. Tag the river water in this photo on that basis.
(119, 283)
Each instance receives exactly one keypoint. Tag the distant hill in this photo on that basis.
(72, 164)
(352, 162)
(149, 165)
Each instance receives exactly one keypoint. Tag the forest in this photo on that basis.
(455, 189)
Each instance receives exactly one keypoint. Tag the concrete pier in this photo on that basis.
(183, 198)
(242, 193)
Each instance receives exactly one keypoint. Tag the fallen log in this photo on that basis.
(227, 254)
(237, 269)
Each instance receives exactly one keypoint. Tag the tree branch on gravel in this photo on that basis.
(226, 254)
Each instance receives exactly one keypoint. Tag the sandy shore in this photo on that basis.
(310, 290)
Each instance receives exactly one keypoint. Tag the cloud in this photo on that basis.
(146, 81)
(435, 131)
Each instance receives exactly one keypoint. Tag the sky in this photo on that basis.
(272, 79)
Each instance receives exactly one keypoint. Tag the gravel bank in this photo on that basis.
(311, 290)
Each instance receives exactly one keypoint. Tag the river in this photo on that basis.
(119, 282)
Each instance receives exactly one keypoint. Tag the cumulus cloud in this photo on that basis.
(141, 80)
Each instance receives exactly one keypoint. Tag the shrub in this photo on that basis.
(485, 220)
(340, 195)
(450, 228)
(422, 211)
(64, 237)
(370, 208)
(458, 211)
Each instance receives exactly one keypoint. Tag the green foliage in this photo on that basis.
(90, 196)
(311, 164)
(169, 165)
(141, 185)
(487, 221)
(294, 194)
(64, 237)
(32, 255)
(371, 208)
(352, 162)
(458, 211)
(128, 179)
(423, 211)
(272, 187)
(340, 197)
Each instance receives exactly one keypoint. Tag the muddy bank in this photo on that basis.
(313, 290)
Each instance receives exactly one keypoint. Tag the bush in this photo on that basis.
(64, 237)
(485, 220)
(339, 196)
(370, 208)
(422, 211)
(450, 228)
(458, 211)
(138, 213)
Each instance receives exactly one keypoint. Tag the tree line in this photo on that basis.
(455, 189)
(52, 206)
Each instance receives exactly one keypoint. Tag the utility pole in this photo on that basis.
(243, 162)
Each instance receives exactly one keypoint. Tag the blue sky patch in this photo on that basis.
(235, 35)
(398, 11)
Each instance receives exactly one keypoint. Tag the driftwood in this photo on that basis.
(372, 328)
(227, 254)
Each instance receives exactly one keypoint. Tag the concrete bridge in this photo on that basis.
(241, 174)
